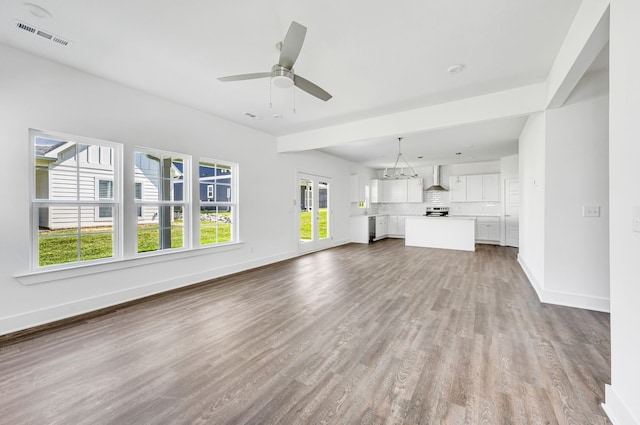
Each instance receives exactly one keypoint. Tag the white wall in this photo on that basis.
(577, 175)
(36, 93)
(486, 167)
(623, 396)
(509, 167)
(563, 167)
(532, 199)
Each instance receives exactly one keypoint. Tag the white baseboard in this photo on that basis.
(616, 409)
(50, 314)
(566, 299)
(54, 313)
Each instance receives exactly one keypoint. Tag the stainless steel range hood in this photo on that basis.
(436, 180)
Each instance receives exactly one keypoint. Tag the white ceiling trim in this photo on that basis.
(499, 105)
(587, 36)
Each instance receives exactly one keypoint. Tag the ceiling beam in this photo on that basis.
(504, 104)
(588, 34)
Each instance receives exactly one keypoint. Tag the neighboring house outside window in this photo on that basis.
(77, 201)
(104, 191)
(218, 201)
(139, 196)
(74, 198)
(165, 208)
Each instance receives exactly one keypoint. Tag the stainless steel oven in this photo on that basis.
(437, 211)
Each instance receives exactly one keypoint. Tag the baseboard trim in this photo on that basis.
(35, 320)
(40, 320)
(616, 409)
(566, 299)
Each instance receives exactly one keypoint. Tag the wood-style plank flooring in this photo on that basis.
(359, 334)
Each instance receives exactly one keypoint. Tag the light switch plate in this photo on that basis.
(635, 216)
(591, 211)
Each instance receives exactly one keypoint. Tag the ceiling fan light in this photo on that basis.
(282, 82)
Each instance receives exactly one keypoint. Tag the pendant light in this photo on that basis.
(401, 174)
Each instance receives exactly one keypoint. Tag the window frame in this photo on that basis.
(36, 203)
(124, 247)
(186, 203)
(233, 204)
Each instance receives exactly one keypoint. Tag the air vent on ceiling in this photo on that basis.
(44, 34)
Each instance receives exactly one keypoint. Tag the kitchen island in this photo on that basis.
(441, 232)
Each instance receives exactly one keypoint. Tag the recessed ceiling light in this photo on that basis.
(455, 69)
(37, 11)
(278, 116)
(420, 157)
(458, 153)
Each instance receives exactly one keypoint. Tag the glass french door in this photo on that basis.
(314, 224)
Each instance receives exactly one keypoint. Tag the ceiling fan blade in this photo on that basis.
(245, 76)
(311, 88)
(292, 44)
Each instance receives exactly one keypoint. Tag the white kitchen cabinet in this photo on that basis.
(483, 187)
(392, 225)
(357, 188)
(375, 191)
(415, 190)
(474, 188)
(488, 230)
(382, 226)
(393, 191)
(360, 229)
(458, 188)
(396, 226)
(491, 187)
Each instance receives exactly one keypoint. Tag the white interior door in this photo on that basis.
(512, 212)
(314, 218)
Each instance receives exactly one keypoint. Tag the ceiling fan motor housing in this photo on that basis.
(281, 76)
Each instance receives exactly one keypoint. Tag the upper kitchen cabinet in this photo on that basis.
(357, 188)
(415, 190)
(475, 188)
(393, 191)
(458, 188)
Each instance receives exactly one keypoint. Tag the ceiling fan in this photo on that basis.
(282, 74)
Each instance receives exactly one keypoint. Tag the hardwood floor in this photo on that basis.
(359, 334)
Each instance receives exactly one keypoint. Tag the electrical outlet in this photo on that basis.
(591, 211)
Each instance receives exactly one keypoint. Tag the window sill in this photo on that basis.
(44, 276)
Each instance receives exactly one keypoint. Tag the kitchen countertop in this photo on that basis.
(445, 218)
(441, 232)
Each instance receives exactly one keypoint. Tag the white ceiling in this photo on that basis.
(375, 57)
(485, 141)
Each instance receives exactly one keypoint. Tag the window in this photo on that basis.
(78, 206)
(218, 205)
(75, 199)
(104, 191)
(164, 204)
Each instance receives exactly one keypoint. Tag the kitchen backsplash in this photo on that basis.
(456, 208)
(432, 199)
(475, 208)
(438, 199)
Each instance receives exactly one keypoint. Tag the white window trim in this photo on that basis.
(186, 203)
(35, 203)
(190, 205)
(235, 204)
